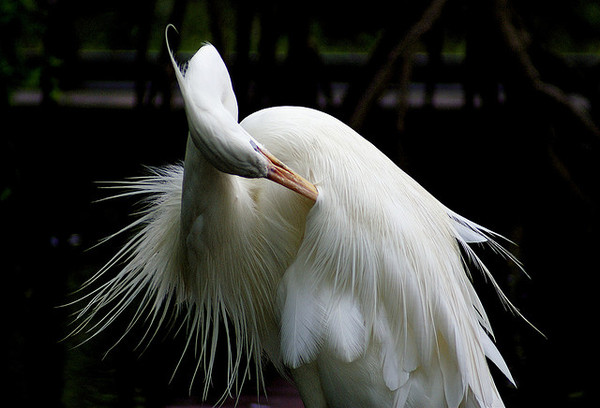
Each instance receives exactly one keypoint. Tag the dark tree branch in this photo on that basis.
(217, 21)
(143, 68)
(406, 69)
(166, 75)
(384, 74)
(517, 46)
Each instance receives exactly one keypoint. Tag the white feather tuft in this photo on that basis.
(303, 319)
(346, 335)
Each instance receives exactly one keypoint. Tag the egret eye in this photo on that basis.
(254, 146)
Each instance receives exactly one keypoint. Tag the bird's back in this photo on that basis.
(377, 307)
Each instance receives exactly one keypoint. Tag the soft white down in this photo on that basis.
(350, 280)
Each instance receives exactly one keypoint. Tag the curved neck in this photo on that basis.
(207, 192)
(220, 228)
(240, 237)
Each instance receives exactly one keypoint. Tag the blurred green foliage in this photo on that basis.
(114, 25)
(40, 35)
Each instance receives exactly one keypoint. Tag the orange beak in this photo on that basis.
(282, 174)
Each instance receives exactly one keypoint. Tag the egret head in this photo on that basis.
(212, 114)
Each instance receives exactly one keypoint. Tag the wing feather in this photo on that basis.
(345, 329)
(384, 240)
(303, 319)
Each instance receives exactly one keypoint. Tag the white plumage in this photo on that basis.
(362, 296)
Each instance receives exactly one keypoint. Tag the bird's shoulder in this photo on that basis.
(322, 148)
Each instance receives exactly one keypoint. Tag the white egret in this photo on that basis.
(350, 280)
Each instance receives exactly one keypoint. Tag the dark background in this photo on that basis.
(503, 130)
